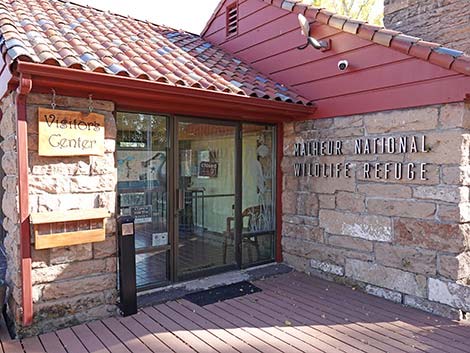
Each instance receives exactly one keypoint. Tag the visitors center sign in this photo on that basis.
(70, 133)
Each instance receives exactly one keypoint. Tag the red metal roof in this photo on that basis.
(433, 52)
(55, 32)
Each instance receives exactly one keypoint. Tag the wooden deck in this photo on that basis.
(293, 313)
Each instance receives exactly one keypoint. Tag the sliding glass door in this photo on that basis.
(201, 192)
(207, 156)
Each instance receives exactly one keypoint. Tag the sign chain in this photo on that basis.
(90, 103)
(53, 103)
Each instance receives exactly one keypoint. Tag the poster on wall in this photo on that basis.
(208, 169)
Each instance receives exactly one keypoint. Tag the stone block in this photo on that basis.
(9, 143)
(384, 293)
(68, 270)
(393, 191)
(455, 267)
(303, 232)
(10, 163)
(418, 119)
(70, 306)
(48, 184)
(432, 235)
(95, 183)
(350, 201)
(327, 201)
(406, 258)
(327, 267)
(289, 202)
(71, 254)
(386, 277)
(447, 147)
(350, 121)
(297, 262)
(73, 287)
(64, 202)
(454, 116)
(105, 248)
(334, 255)
(398, 208)
(448, 213)
(431, 307)
(40, 258)
(328, 185)
(343, 241)
(456, 175)
(102, 164)
(374, 228)
(58, 165)
(298, 247)
(290, 183)
(451, 194)
(449, 293)
(307, 204)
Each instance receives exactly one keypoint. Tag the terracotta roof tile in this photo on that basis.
(432, 52)
(56, 32)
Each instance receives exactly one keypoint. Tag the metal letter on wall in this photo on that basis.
(70, 133)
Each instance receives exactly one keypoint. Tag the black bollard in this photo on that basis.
(127, 276)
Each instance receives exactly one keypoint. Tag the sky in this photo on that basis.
(190, 15)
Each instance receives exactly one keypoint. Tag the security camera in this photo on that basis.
(343, 65)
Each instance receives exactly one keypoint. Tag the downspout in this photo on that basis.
(24, 87)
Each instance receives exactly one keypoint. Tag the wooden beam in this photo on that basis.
(25, 85)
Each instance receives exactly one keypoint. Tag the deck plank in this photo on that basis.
(188, 337)
(170, 339)
(70, 342)
(418, 330)
(133, 343)
(111, 342)
(33, 345)
(196, 316)
(51, 343)
(188, 324)
(151, 341)
(293, 313)
(89, 340)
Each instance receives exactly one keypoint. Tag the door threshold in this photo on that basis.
(179, 290)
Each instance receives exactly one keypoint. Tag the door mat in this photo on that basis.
(219, 294)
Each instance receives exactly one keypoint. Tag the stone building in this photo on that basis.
(227, 151)
(446, 22)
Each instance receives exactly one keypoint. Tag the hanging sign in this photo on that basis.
(70, 133)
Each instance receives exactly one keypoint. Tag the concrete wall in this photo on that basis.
(402, 238)
(444, 21)
(70, 284)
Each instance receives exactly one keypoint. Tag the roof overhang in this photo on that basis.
(146, 96)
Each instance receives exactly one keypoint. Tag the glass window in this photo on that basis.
(258, 181)
(141, 154)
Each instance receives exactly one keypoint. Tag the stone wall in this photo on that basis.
(10, 201)
(76, 283)
(444, 21)
(403, 238)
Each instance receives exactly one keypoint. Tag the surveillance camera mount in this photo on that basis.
(322, 45)
(305, 30)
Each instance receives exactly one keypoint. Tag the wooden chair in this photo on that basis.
(229, 234)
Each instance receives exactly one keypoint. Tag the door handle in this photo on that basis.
(180, 200)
